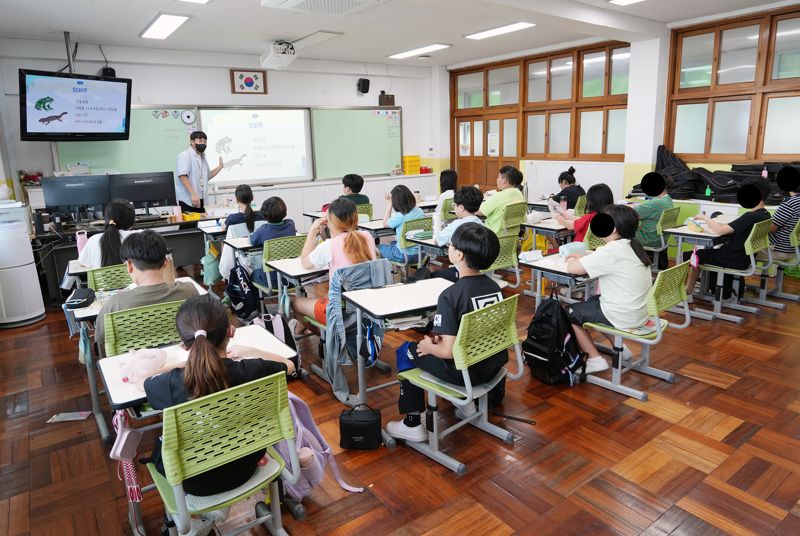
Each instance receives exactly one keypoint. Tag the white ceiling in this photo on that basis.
(243, 26)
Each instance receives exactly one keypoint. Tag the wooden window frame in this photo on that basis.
(500, 108)
(468, 111)
(707, 155)
(762, 128)
(603, 155)
(790, 83)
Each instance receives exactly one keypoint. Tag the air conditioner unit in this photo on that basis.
(322, 7)
(278, 56)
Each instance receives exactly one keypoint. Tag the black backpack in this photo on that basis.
(242, 293)
(551, 350)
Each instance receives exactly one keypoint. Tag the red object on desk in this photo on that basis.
(425, 169)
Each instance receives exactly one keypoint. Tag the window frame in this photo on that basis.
(499, 108)
(603, 155)
(762, 128)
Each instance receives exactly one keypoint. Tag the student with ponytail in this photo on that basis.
(347, 246)
(246, 214)
(622, 268)
(103, 249)
(569, 188)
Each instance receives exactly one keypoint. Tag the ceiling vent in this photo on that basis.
(322, 7)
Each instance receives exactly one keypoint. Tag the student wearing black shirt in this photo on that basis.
(244, 198)
(570, 190)
(472, 248)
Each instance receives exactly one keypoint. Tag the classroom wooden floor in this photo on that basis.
(717, 452)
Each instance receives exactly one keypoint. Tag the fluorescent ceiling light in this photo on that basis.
(418, 51)
(195, 1)
(501, 30)
(314, 38)
(163, 25)
(625, 2)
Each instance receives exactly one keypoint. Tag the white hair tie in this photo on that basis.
(200, 332)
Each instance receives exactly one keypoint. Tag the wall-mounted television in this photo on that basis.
(73, 107)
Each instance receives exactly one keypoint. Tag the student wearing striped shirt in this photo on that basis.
(786, 216)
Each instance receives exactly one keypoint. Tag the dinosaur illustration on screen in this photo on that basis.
(44, 103)
(50, 118)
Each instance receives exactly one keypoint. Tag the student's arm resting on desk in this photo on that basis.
(574, 265)
(247, 352)
(716, 227)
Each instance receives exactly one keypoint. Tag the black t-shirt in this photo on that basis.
(466, 295)
(732, 254)
(572, 193)
(167, 390)
(238, 217)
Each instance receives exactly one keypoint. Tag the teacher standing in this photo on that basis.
(193, 174)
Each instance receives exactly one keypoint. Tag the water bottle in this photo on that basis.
(563, 201)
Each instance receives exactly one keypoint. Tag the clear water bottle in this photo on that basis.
(563, 201)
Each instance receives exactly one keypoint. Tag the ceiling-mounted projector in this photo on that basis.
(279, 55)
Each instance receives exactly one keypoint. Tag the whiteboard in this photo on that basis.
(258, 145)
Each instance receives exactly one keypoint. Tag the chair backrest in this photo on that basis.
(447, 208)
(592, 242)
(108, 277)
(485, 332)
(507, 258)
(668, 290)
(580, 206)
(668, 219)
(794, 238)
(513, 217)
(141, 327)
(241, 420)
(366, 209)
(423, 224)
(758, 240)
(287, 247)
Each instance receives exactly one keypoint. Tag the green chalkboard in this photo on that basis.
(363, 141)
(157, 136)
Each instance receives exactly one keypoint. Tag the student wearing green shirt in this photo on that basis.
(654, 185)
(352, 189)
(509, 182)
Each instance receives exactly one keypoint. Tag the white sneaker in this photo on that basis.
(627, 354)
(596, 364)
(465, 412)
(399, 430)
(201, 526)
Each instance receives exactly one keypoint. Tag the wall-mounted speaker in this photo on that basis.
(363, 85)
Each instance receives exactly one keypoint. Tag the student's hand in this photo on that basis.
(220, 165)
(239, 352)
(702, 217)
(388, 196)
(427, 344)
(317, 226)
(560, 219)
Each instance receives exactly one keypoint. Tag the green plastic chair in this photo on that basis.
(668, 291)
(213, 430)
(287, 247)
(513, 217)
(141, 327)
(366, 209)
(420, 224)
(482, 334)
(592, 242)
(507, 258)
(667, 220)
(794, 262)
(447, 210)
(108, 277)
(580, 206)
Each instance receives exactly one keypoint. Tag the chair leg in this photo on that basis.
(275, 523)
(483, 423)
(778, 292)
(717, 312)
(762, 295)
(431, 447)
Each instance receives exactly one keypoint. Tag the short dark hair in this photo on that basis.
(512, 175)
(273, 209)
(403, 200)
(478, 243)
(448, 180)
(470, 197)
(146, 250)
(197, 134)
(354, 182)
(598, 197)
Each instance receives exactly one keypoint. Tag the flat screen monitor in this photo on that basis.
(144, 189)
(73, 107)
(69, 194)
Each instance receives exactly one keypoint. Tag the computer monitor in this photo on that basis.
(75, 194)
(144, 190)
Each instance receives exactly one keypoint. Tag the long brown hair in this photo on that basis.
(204, 372)
(343, 216)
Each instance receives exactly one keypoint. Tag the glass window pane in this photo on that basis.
(470, 90)
(620, 63)
(591, 132)
(617, 127)
(696, 55)
(493, 138)
(464, 139)
(730, 127)
(535, 137)
(737, 61)
(559, 133)
(786, 62)
(509, 137)
(504, 86)
(477, 140)
(537, 81)
(690, 128)
(594, 69)
(780, 133)
(561, 78)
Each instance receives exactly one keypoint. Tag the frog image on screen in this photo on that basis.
(44, 103)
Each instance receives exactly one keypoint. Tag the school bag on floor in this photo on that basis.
(551, 350)
(241, 292)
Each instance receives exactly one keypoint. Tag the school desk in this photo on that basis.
(428, 244)
(376, 228)
(550, 228)
(293, 271)
(555, 267)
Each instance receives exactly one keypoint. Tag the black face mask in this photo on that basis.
(200, 147)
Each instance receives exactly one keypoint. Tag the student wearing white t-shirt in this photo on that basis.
(622, 268)
(448, 180)
(103, 249)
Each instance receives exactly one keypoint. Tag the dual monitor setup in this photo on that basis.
(80, 197)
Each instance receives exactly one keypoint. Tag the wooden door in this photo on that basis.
(470, 143)
(502, 147)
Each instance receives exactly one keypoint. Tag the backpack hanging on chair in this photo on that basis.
(242, 293)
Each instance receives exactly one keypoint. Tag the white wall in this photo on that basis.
(165, 77)
(541, 176)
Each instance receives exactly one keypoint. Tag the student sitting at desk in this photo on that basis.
(402, 201)
(473, 248)
(448, 180)
(656, 186)
(273, 211)
(569, 190)
(145, 256)
(622, 268)
(751, 194)
(509, 182)
(352, 189)
(246, 214)
(466, 203)
(103, 249)
(598, 197)
(346, 246)
(211, 366)
(785, 217)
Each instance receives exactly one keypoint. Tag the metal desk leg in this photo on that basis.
(362, 376)
(538, 290)
(86, 343)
